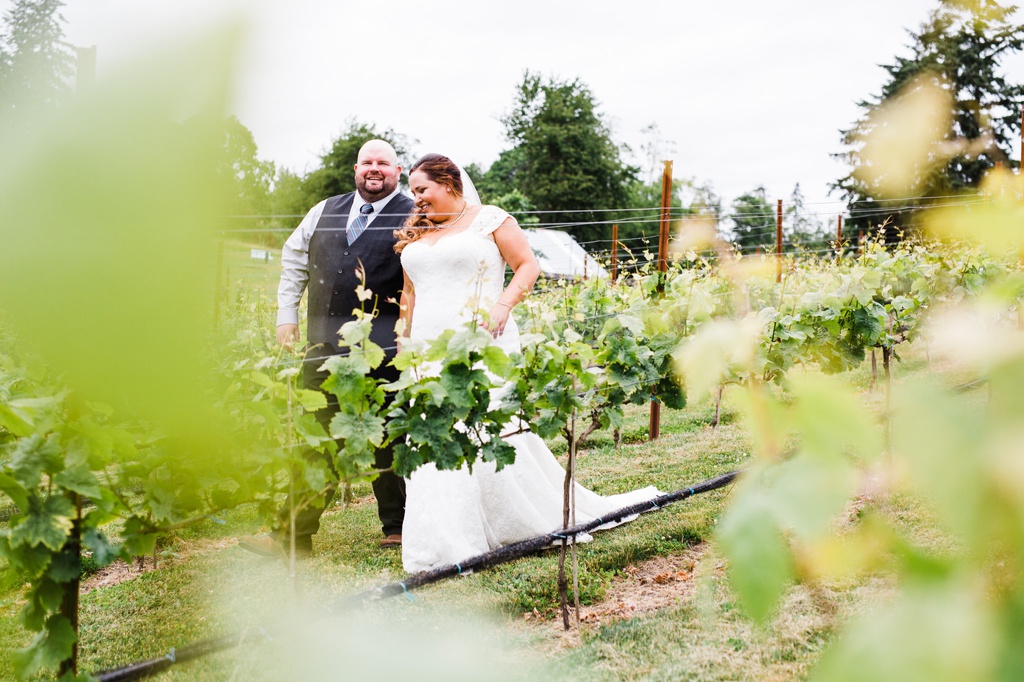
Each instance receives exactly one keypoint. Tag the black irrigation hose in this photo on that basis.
(970, 385)
(501, 555)
(526, 547)
(137, 671)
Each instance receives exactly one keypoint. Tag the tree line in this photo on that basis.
(562, 159)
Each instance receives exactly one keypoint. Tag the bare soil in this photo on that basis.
(120, 571)
(658, 583)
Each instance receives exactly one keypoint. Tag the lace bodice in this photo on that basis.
(459, 275)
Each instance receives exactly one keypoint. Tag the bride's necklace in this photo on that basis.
(448, 223)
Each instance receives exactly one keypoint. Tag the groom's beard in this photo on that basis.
(387, 184)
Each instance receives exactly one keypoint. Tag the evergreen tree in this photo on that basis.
(959, 48)
(36, 65)
(802, 228)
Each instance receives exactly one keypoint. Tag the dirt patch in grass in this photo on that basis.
(120, 571)
(659, 583)
(115, 574)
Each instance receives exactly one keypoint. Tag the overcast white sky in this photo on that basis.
(749, 92)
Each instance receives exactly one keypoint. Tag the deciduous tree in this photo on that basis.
(335, 173)
(565, 160)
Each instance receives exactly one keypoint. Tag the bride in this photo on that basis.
(454, 254)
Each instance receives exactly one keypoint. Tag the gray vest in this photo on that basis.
(332, 272)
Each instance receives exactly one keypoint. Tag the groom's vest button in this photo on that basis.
(346, 253)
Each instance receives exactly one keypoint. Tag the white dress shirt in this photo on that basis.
(295, 256)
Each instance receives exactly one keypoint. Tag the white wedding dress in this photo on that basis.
(451, 516)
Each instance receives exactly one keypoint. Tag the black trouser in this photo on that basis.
(388, 488)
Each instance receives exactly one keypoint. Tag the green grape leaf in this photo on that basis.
(497, 361)
(372, 354)
(309, 428)
(499, 451)
(103, 552)
(65, 567)
(831, 420)
(139, 544)
(45, 596)
(80, 479)
(316, 476)
(15, 490)
(364, 426)
(407, 459)
(27, 561)
(945, 633)
(458, 380)
(346, 380)
(32, 457)
(808, 492)
(261, 379)
(160, 500)
(312, 400)
(759, 560)
(109, 504)
(47, 649)
(47, 524)
(354, 332)
(14, 423)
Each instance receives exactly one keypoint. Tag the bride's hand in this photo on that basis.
(498, 318)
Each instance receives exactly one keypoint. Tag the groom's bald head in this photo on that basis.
(377, 170)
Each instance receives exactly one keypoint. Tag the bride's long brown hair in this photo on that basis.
(442, 170)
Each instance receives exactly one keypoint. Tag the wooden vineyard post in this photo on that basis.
(778, 242)
(615, 252)
(839, 237)
(654, 429)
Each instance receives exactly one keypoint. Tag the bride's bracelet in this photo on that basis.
(505, 304)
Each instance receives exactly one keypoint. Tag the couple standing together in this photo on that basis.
(432, 261)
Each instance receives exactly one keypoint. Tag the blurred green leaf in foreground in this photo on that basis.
(107, 212)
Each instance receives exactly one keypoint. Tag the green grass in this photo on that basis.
(218, 589)
(475, 626)
(239, 270)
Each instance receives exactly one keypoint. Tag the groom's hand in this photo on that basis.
(287, 335)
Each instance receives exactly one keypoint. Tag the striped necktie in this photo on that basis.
(358, 225)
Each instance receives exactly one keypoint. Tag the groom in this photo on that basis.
(337, 236)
